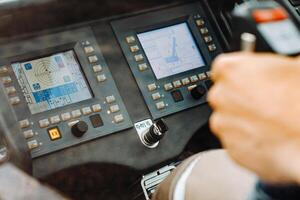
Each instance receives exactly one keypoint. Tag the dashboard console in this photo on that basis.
(86, 92)
(169, 53)
(62, 91)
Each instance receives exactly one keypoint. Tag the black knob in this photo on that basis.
(198, 92)
(79, 129)
(156, 132)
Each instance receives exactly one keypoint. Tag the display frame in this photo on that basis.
(79, 55)
(171, 22)
(169, 25)
(43, 56)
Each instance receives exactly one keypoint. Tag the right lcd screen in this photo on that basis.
(171, 50)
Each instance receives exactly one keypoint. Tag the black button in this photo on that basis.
(79, 129)
(208, 84)
(198, 92)
(96, 121)
(177, 96)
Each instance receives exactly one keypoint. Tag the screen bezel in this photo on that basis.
(178, 22)
(75, 56)
(44, 52)
(155, 26)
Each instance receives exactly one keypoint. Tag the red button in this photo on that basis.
(269, 15)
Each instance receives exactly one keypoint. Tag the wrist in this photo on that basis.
(289, 162)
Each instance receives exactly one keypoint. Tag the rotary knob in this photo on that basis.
(198, 92)
(156, 132)
(79, 129)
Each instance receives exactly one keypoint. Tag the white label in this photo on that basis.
(143, 126)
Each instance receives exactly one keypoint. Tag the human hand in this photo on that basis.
(256, 103)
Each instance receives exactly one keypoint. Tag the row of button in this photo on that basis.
(32, 144)
(179, 83)
(10, 90)
(93, 59)
(205, 33)
(67, 116)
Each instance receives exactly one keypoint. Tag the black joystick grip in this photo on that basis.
(79, 129)
(198, 92)
(156, 132)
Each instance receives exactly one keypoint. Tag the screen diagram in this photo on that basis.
(171, 50)
(52, 82)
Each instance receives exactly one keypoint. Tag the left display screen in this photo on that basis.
(52, 82)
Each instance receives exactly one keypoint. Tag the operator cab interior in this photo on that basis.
(103, 99)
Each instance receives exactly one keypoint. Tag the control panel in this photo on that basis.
(169, 53)
(61, 89)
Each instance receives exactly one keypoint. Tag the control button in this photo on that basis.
(200, 22)
(194, 79)
(177, 84)
(134, 48)
(204, 31)
(118, 118)
(6, 80)
(101, 78)
(156, 96)
(97, 68)
(208, 39)
(55, 119)
(185, 81)
(212, 47)
(28, 134)
(14, 100)
(208, 74)
(208, 84)
(138, 57)
(202, 76)
(76, 113)
(114, 108)
(160, 105)
(24, 123)
(11, 90)
(65, 116)
(96, 108)
(152, 87)
(54, 133)
(44, 123)
(110, 99)
(143, 66)
(198, 92)
(89, 49)
(190, 88)
(177, 96)
(3, 70)
(86, 110)
(79, 129)
(32, 144)
(96, 120)
(93, 59)
(168, 86)
(130, 39)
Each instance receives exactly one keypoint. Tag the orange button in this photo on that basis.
(54, 133)
(269, 15)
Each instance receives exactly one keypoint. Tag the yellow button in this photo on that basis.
(54, 133)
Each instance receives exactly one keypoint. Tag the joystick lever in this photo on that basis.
(154, 134)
